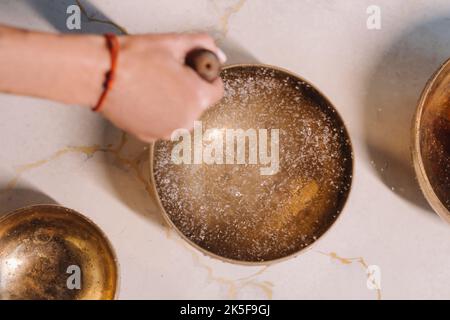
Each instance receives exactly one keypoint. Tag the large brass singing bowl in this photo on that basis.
(233, 212)
(431, 142)
(50, 252)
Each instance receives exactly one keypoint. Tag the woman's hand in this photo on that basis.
(154, 92)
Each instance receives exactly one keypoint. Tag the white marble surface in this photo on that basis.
(374, 77)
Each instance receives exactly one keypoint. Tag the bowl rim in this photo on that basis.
(296, 253)
(416, 154)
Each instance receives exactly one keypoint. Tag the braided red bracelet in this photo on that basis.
(113, 47)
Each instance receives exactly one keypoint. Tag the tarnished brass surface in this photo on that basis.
(37, 246)
(234, 213)
(431, 142)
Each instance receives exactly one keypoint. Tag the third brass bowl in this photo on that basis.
(431, 142)
(232, 210)
(50, 252)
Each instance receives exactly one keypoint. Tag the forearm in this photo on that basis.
(66, 68)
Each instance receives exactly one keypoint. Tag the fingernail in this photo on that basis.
(221, 55)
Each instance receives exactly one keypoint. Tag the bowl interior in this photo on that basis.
(50, 252)
(263, 175)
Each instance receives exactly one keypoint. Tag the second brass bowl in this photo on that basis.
(431, 142)
(42, 246)
(234, 213)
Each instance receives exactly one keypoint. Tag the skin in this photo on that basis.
(154, 93)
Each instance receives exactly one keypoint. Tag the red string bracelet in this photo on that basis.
(113, 47)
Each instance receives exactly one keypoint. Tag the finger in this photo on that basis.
(208, 93)
(146, 138)
(212, 93)
(217, 90)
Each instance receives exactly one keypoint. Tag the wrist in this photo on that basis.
(84, 69)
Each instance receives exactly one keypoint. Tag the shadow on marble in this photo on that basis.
(236, 54)
(128, 173)
(20, 197)
(393, 89)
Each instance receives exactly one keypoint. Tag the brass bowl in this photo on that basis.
(231, 211)
(42, 246)
(431, 142)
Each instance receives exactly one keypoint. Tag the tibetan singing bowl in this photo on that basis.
(431, 142)
(50, 252)
(255, 208)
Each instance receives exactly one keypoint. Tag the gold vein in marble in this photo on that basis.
(94, 19)
(360, 261)
(233, 285)
(224, 20)
(20, 170)
(134, 163)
